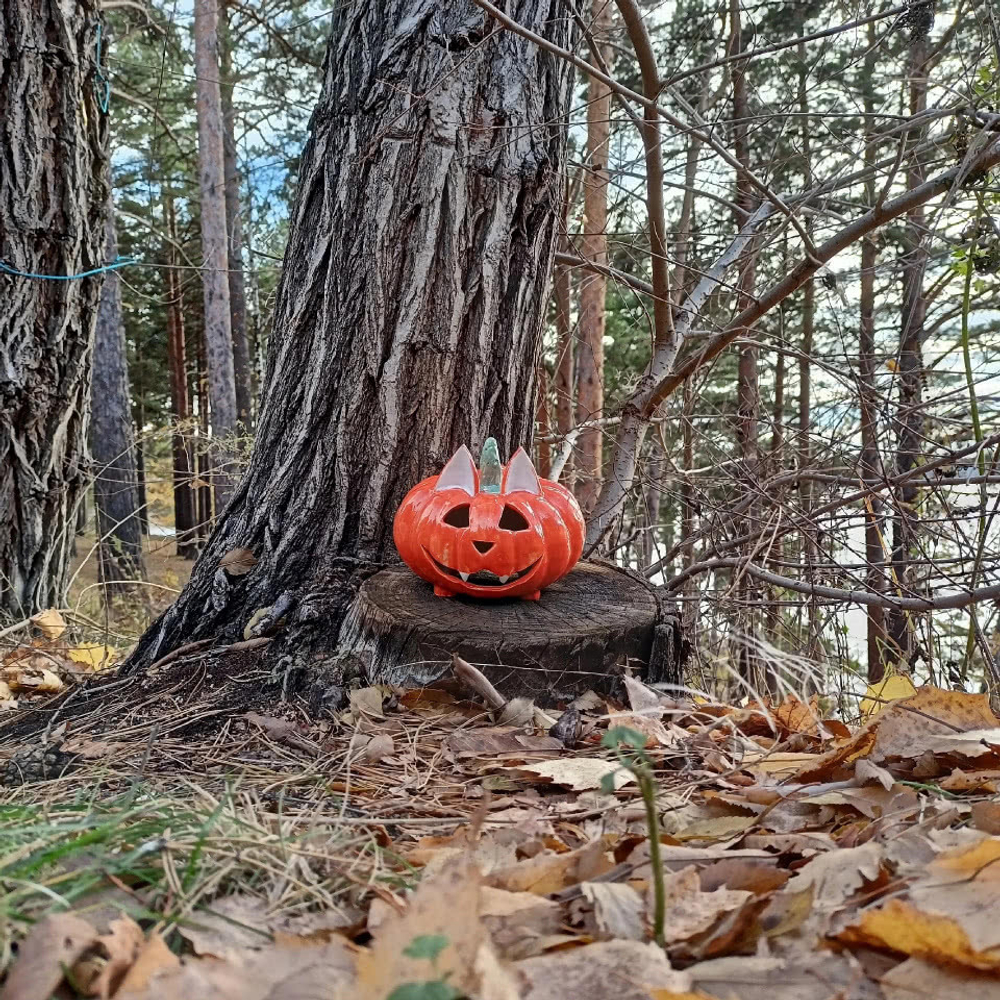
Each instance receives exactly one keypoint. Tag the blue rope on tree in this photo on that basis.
(102, 85)
(120, 261)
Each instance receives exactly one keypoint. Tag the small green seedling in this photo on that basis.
(429, 948)
(628, 747)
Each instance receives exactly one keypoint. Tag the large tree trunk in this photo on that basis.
(409, 312)
(234, 231)
(593, 286)
(215, 245)
(53, 201)
(112, 442)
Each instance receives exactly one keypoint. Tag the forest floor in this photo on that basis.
(419, 846)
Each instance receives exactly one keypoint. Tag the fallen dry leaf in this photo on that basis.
(619, 911)
(916, 979)
(900, 926)
(381, 745)
(986, 816)
(50, 623)
(92, 655)
(54, 945)
(228, 926)
(155, 957)
(549, 872)
(492, 742)
(367, 701)
(238, 562)
(625, 970)
(892, 688)
(808, 976)
(690, 911)
(441, 920)
(518, 922)
(579, 773)
(904, 726)
(32, 676)
(277, 973)
(120, 946)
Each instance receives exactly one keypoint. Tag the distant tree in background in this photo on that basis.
(112, 441)
(215, 249)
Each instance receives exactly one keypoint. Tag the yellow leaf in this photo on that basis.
(50, 623)
(891, 364)
(890, 689)
(717, 828)
(901, 927)
(93, 655)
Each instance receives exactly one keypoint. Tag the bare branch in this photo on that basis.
(661, 379)
(961, 599)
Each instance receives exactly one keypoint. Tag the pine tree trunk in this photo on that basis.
(184, 506)
(543, 458)
(564, 371)
(809, 554)
(747, 387)
(215, 246)
(202, 464)
(142, 504)
(234, 231)
(593, 286)
(909, 412)
(53, 202)
(409, 313)
(112, 441)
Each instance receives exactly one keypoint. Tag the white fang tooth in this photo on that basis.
(464, 576)
(503, 579)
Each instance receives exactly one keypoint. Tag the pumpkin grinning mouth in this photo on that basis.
(483, 577)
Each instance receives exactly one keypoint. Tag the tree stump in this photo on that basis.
(589, 629)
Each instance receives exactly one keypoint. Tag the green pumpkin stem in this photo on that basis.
(490, 469)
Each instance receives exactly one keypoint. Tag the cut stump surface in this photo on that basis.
(587, 630)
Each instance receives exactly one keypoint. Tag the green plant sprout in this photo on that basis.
(429, 948)
(628, 747)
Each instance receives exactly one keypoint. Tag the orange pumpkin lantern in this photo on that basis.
(496, 531)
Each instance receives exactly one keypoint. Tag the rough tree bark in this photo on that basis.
(909, 417)
(112, 441)
(409, 313)
(215, 244)
(184, 495)
(234, 231)
(53, 202)
(593, 286)
(747, 387)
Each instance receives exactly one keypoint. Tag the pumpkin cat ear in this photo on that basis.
(521, 474)
(459, 473)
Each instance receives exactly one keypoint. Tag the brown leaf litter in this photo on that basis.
(799, 859)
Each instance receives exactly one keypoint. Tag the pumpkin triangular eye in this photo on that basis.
(459, 473)
(521, 474)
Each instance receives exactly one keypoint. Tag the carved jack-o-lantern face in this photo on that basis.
(490, 532)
